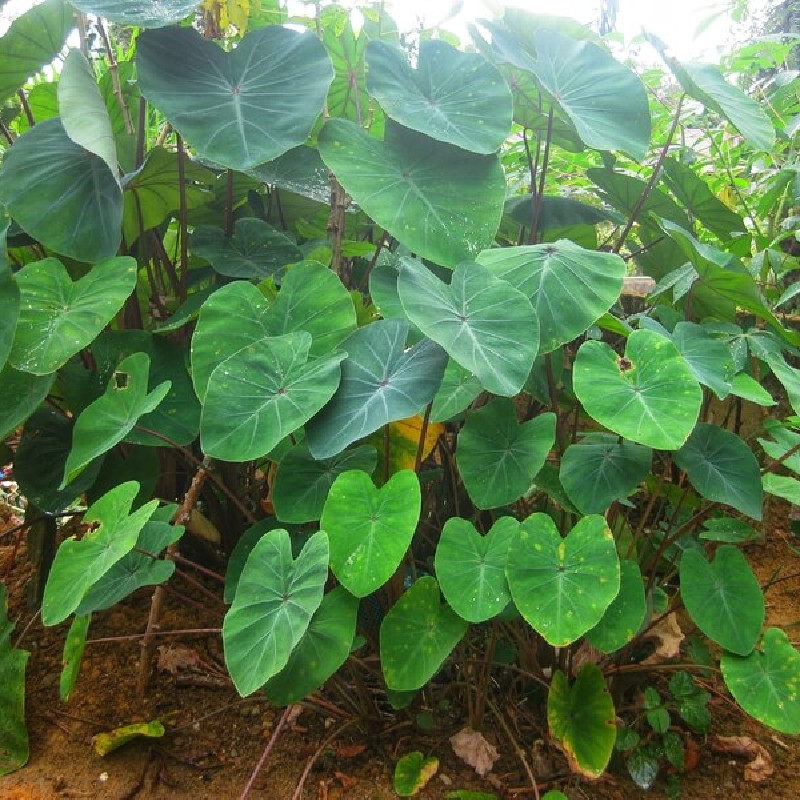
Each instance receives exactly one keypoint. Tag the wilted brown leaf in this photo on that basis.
(178, 659)
(758, 768)
(473, 749)
(350, 750)
(669, 636)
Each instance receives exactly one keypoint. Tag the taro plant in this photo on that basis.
(348, 303)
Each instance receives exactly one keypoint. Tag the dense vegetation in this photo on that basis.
(346, 303)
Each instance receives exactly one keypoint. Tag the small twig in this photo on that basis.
(422, 434)
(134, 636)
(182, 221)
(112, 68)
(26, 107)
(517, 747)
(287, 712)
(298, 792)
(538, 201)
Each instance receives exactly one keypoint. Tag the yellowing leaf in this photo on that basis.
(727, 196)
(228, 12)
(403, 443)
(105, 743)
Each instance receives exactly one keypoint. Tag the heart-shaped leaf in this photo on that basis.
(82, 110)
(459, 388)
(766, 682)
(471, 567)
(625, 615)
(242, 108)
(722, 468)
(381, 382)
(58, 318)
(112, 416)
(417, 635)
(723, 597)
(78, 565)
(302, 482)
(601, 469)
(451, 96)
(22, 394)
(370, 529)
(32, 42)
(568, 286)
(442, 202)
(256, 250)
(13, 731)
(563, 586)
(649, 395)
(412, 773)
(263, 393)
(324, 647)
(139, 13)
(605, 100)
(482, 322)
(582, 720)
(275, 600)
(62, 195)
(499, 457)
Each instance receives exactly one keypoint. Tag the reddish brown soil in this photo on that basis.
(214, 739)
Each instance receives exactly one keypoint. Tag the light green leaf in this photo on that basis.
(563, 586)
(471, 567)
(582, 720)
(242, 108)
(568, 286)
(13, 733)
(381, 382)
(766, 683)
(498, 457)
(110, 418)
(624, 617)
(482, 322)
(442, 202)
(650, 396)
(417, 635)
(78, 565)
(83, 112)
(412, 773)
(275, 600)
(62, 195)
(722, 468)
(370, 529)
(73, 655)
(454, 97)
(105, 743)
(723, 597)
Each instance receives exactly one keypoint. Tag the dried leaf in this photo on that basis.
(669, 636)
(350, 750)
(758, 768)
(178, 659)
(346, 781)
(473, 749)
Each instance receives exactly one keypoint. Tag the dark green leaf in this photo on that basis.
(13, 733)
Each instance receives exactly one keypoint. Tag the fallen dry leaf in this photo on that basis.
(758, 768)
(667, 632)
(473, 749)
(350, 750)
(346, 781)
(178, 659)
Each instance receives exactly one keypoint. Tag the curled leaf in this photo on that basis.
(473, 749)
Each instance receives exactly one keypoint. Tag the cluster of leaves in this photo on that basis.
(291, 263)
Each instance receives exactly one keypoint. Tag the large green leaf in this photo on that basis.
(708, 358)
(13, 732)
(275, 600)
(471, 567)
(144, 13)
(766, 683)
(324, 647)
(370, 529)
(110, 418)
(605, 100)
(563, 586)
(78, 565)
(58, 318)
(454, 97)
(722, 468)
(649, 396)
(9, 299)
(694, 194)
(32, 42)
(256, 250)
(482, 322)
(263, 393)
(40, 458)
(568, 286)
(381, 382)
(22, 394)
(140, 567)
(417, 635)
(582, 719)
(497, 456)
(242, 108)
(62, 195)
(624, 617)
(82, 110)
(601, 469)
(442, 202)
(723, 597)
(302, 482)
